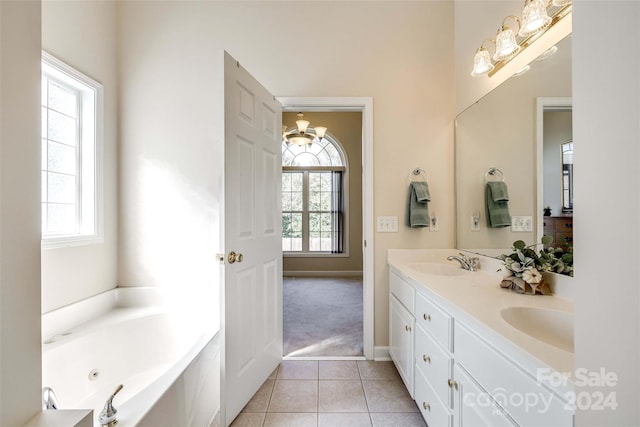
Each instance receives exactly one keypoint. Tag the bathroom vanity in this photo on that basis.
(473, 354)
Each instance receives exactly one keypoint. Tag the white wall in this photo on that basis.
(557, 131)
(20, 362)
(606, 126)
(400, 53)
(83, 34)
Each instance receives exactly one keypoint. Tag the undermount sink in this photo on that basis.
(436, 269)
(550, 326)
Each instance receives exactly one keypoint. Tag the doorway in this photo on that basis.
(329, 293)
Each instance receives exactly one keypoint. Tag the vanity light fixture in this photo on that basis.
(302, 134)
(535, 21)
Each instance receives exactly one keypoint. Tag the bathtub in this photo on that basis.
(160, 348)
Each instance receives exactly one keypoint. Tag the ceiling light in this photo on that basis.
(302, 133)
(534, 17)
(506, 44)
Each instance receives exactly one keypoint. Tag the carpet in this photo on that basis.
(322, 316)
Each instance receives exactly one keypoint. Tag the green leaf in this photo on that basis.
(547, 240)
(568, 258)
(519, 244)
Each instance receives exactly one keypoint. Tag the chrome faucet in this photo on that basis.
(471, 264)
(108, 415)
(49, 399)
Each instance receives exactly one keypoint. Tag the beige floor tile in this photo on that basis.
(294, 396)
(260, 401)
(388, 396)
(248, 420)
(341, 396)
(298, 370)
(338, 370)
(370, 370)
(344, 420)
(274, 374)
(291, 420)
(398, 419)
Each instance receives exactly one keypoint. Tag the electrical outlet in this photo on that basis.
(434, 223)
(387, 224)
(521, 223)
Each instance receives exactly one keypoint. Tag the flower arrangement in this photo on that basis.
(525, 266)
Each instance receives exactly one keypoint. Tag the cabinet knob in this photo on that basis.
(426, 358)
(426, 406)
(452, 384)
(407, 328)
(426, 317)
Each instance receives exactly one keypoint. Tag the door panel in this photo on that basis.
(252, 227)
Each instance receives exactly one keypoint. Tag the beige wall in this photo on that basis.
(346, 127)
(20, 361)
(399, 53)
(557, 131)
(83, 34)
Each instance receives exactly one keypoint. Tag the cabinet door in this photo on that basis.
(473, 407)
(401, 324)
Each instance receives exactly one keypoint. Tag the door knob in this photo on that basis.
(234, 257)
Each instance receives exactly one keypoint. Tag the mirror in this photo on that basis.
(515, 129)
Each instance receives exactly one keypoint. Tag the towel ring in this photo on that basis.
(493, 171)
(418, 172)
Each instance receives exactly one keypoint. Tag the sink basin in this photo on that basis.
(550, 326)
(437, 269)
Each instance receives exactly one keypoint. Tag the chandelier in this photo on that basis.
(535, 20)
(302, 133)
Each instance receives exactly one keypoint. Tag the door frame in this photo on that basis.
(365, 106)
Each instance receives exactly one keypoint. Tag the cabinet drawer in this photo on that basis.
(435, 364)
(564, 225)
(435, 321)
(434, 412)
(499, 375)
(402, 290)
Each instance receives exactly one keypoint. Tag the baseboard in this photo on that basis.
(323, 273)
(381, 353)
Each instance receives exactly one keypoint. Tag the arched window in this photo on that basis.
(313, 182)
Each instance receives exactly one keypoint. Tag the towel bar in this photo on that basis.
(493, 171)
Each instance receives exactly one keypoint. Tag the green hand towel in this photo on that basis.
(497, 204)
(419, 198)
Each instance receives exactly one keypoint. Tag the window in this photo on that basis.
(71, 155)
(313, 207)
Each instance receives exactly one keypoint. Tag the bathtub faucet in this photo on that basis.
(108, 415)
(49, 399)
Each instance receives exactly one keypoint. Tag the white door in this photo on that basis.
(252, 230)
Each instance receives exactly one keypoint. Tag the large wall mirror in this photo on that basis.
(523, 129)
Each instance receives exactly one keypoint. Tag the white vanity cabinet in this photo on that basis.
(457, 375)
(401, 326)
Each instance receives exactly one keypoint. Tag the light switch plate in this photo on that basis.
(434, 223)
(387, 224)
(521, 223)
(475, 223)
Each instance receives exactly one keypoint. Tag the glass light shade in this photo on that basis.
(506, 45)
(561, 2)
(302, 125)
(534, 18)
(481, 62)
(320, 131)
(298, 139)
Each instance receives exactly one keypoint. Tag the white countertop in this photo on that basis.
(479, 298)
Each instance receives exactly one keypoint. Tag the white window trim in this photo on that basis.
(68, 74)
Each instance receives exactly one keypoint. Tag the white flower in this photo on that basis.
(515, 267)
(531, 275)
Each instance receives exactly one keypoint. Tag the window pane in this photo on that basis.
(61, 218)
(314, 223)
(61, 188)
(296, 244)
(325, 241)
(43, 91)
(296, 225)
(44, 186)
(326, 181)
(43, 122)
(286, 181)
(62, 99)
(314, 241)
(44, 150)
(296, 181)
(62, 128)
(61, 158)
(335, 156)
(305, 159)
(325, 201)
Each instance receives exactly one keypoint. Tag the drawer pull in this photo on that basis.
(426, 358)
(452, 384)
(426, 317)
(407, 328)
(426, 406)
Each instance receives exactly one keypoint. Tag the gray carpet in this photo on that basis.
(322, 316)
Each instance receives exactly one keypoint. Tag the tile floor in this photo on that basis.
(331, 394)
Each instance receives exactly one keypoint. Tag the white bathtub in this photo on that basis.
(138, 340)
